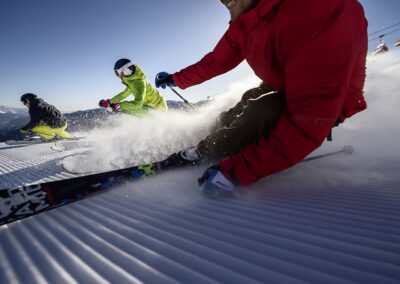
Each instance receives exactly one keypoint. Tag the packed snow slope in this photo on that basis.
(333, 220)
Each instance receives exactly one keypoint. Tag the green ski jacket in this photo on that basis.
(146, 97)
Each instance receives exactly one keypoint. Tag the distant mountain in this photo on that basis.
(12, 119)
(11, 110)
(8, 114)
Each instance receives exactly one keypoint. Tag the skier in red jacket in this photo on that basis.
(311, 57)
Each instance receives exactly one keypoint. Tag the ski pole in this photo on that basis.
(348, 149)
(186, 102)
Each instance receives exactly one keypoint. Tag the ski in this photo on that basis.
(68, 145)
(28, 200)
(347, 149)
(39, 141)
(67, 161)
(24, 201)
(24, 142)
(81, 164)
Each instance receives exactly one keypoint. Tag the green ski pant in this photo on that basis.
(49, 132)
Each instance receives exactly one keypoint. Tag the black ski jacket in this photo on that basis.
(40, 111)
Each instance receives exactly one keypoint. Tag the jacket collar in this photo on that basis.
(139, 74)
(265, 6)
(251, 17)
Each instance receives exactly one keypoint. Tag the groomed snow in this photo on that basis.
(334, 220)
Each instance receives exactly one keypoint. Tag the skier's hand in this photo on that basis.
(116, 107)
(104, 103)
(24, 131)
(214, 184)
(163, 79)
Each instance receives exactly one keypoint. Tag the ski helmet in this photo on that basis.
(26, 98)
(124, 67)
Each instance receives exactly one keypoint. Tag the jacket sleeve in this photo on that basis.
(225, 56)
(121, 96)
(318, 77)
(34, 119)
(138, 88)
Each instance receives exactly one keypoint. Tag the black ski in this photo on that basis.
(39, 141)
(24, 201)
(348, 149)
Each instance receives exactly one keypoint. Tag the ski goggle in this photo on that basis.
(23, 102)
(124, 70)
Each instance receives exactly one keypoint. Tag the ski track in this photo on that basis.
(19, 166)
(164, 231)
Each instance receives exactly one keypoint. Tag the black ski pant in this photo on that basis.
(254, 117)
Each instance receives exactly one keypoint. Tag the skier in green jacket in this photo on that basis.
(146, 97)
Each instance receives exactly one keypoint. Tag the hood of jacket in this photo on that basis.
(250, 18)
(35, 101)
(138, 75)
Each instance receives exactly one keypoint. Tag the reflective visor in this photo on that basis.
(119, 71)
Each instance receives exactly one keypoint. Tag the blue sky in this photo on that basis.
(64, 51)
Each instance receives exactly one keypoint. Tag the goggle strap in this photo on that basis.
(126, 66)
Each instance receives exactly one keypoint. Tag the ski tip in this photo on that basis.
(348, 149)
(74, 138)
(57, 148)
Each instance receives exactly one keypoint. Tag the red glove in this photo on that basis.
(104, 103)
(116, 107)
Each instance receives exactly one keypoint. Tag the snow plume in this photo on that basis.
(126, 140)
(378, 126)
(374, 134)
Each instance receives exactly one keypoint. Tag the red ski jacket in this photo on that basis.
(315, 52)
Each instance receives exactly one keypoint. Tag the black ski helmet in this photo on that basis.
(124, 66)
(26, 98)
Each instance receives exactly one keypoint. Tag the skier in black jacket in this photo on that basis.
(46, 120)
